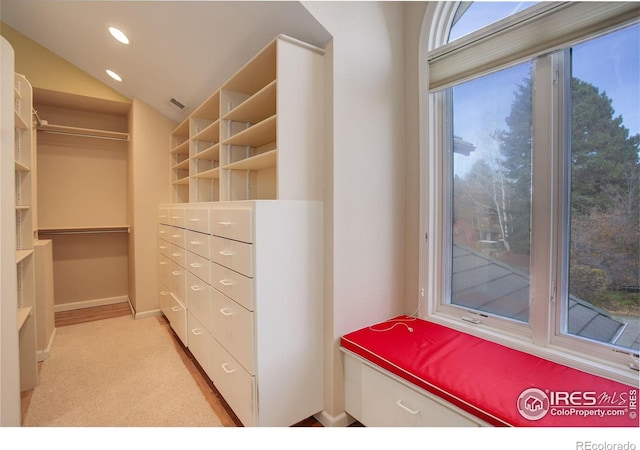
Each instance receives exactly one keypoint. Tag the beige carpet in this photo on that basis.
(117, 372)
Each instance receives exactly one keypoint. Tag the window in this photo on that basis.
(533, 171)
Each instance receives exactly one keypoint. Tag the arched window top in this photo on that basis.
(472, 16)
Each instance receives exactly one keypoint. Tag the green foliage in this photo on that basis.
(587, 282)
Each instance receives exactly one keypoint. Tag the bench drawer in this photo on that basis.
(234, 224)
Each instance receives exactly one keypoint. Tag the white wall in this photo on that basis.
(365, 203)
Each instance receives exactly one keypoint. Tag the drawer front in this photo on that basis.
(163, 216)
(234, 224)
(234, 383)
(198, 266)
(164, 268)
(233, 327)
(178, 255)
(177, 217)
(164, 232)
(233, 285)
(199, 300)
(200, 344)
(197, 219)
(178, 282)
(164, 248)
(233, 254)
(178, 236)
(165, 300)
(178, 319)
(389, 403)
(198, 243)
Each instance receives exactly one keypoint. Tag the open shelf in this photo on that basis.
(256, 135)
(87, 132)
(211, 153)
(23, 314)
(21, 255)
(257, 162)
(181, 149)
(256, 108)
(211, 133)
(209, 174)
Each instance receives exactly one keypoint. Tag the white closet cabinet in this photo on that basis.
(24, 158)
(260, 135)
(246, 279)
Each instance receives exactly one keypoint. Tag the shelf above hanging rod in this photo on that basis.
(82, 132)
(83, 230)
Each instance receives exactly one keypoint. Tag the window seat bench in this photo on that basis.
(411, 372)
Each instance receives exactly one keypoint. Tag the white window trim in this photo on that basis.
(542, 338)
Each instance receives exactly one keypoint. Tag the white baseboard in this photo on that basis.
(41, 355)
(341, 420)
(91, 303)
(145, 314)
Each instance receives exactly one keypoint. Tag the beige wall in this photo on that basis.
(149, 185)
(365, 206)
(46, 70)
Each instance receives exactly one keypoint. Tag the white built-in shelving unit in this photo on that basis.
(260, 135)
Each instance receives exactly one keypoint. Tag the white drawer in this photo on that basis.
(387, 402)
(198, 219)
(200, 344)
(233, 254)
(178, 318)
(164, 270)
(233, 328)
(178, 255)
(163, 216)
(198, 243)
(198, 266)
(164, 232)
(234, 224)
(199, 300)
(178, 282)
(164, 300)
(178, 236)
(233, 285)
(164, 247)
(177, 217)
(234, 383)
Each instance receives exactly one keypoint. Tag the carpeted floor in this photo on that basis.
(117, 372)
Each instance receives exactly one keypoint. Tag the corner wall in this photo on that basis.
(365, 175)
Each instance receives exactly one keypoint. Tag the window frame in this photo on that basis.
(543, 335)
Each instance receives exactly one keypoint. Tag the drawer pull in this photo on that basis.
(195, 242)
(226, 282)
(225, 223)
(176, 254)
(163, 247)
(197, 331)
(162, 263)
(226, 253)
(164, 292)
(224, 367)
(407, 409)
(175, 273)
(175, 308)
(196, 265)
(176, 217)
(194, 220)
(197, 287)
(175, 235)
(226, 312)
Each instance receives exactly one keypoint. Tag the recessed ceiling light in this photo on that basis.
(114, 75)
(119, 35)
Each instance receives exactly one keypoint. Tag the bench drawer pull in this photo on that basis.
(409, 410)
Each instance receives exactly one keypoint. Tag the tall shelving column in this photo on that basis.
(24, 159)
(204, 151)
(180, 163)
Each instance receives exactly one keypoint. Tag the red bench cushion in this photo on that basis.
(502, 386)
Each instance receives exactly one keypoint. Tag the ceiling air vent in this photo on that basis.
(175, 102)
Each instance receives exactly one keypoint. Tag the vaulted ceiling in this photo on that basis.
(179, 49)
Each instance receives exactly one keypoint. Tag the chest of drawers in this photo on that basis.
(241, 285)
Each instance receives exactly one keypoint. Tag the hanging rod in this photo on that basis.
(63, 231)
(82, 132)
